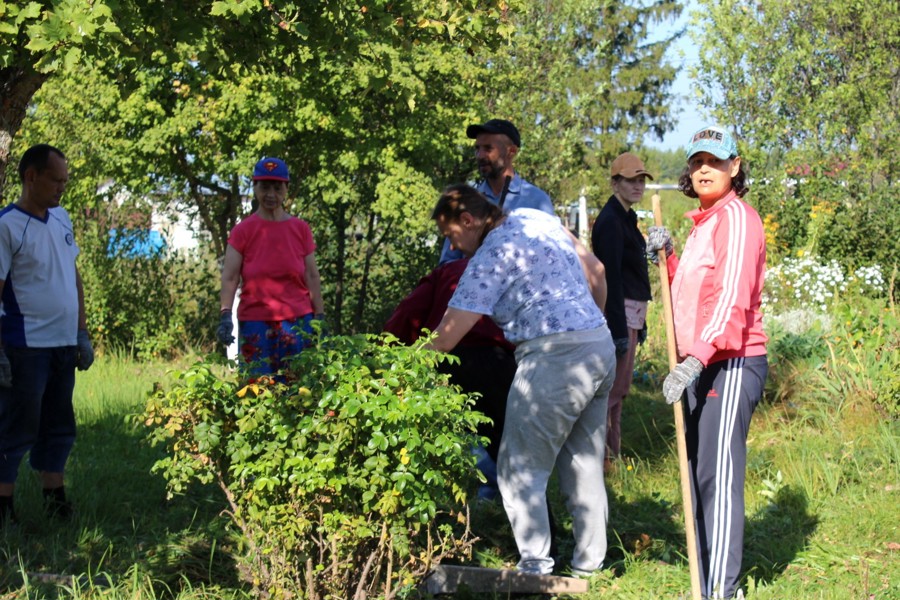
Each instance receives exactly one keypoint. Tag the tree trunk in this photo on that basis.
(17, 87)
(367, 267)
(340, 270)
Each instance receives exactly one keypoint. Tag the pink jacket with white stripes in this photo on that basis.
(717, 283)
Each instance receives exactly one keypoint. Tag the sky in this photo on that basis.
(683, 54)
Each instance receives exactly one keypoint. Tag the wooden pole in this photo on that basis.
(686, 498)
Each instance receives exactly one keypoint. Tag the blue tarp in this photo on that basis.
(135, 243)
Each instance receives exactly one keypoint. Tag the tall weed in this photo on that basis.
(863, 357)
(836, 326)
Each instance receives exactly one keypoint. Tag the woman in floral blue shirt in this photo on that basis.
(545, 291)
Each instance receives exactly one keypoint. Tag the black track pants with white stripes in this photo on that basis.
(719, 407)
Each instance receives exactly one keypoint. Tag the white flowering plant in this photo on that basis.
(807, 282)
(836, 321)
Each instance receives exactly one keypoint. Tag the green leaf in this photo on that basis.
(72, 57)
(220, 8)
(32, 10)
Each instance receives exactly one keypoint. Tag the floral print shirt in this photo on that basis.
(528, 278)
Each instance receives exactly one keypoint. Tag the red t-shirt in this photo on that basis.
(273, 272)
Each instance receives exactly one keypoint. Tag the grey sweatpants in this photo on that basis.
(556, 416)
(719, 407)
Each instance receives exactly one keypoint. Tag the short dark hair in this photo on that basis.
(739, 183)
(37, 158)
(460, 198)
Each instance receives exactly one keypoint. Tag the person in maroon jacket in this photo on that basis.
(487, 361)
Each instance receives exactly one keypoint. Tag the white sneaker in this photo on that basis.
(536, 566)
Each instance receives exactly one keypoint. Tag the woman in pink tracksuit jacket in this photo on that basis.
(716, 296)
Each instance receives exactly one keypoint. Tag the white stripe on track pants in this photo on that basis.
(720, 405)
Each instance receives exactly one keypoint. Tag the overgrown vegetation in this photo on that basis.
(150, 302)
(822, 488)
(348, 479)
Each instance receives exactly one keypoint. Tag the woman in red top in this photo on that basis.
(716, 297)
(271, 254)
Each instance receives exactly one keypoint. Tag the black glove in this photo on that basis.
(5, 370)
(85, 357)
(224, 332)
(657, 239)
(642, 334)
(621, 346)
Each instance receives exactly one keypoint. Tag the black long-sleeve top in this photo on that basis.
(620, 246)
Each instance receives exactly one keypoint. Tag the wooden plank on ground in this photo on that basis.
(447, 579)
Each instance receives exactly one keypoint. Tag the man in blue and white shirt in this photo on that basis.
(42, 328)
(497, 143)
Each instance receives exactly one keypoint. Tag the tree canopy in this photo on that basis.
(813, 91)
(368, 107)
(124, 37)
(816, 76)
(585, 81)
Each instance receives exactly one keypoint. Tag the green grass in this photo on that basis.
(823, 490)
(126, 539)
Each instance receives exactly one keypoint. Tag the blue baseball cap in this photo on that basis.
(715, 140)
(271, 169)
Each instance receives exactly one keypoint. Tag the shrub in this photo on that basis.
(152, 303)
(802, 282)
(796, 344)
(347, 478)
(864, 231)
(839, 208)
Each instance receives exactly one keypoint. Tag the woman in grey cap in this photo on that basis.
(716, 297)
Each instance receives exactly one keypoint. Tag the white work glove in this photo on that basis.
(681, 376)
(84, 357)
(5, 370)
(658, 238)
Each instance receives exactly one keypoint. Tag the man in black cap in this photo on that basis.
(497, 142)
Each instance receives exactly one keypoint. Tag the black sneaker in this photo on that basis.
(56, 505)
